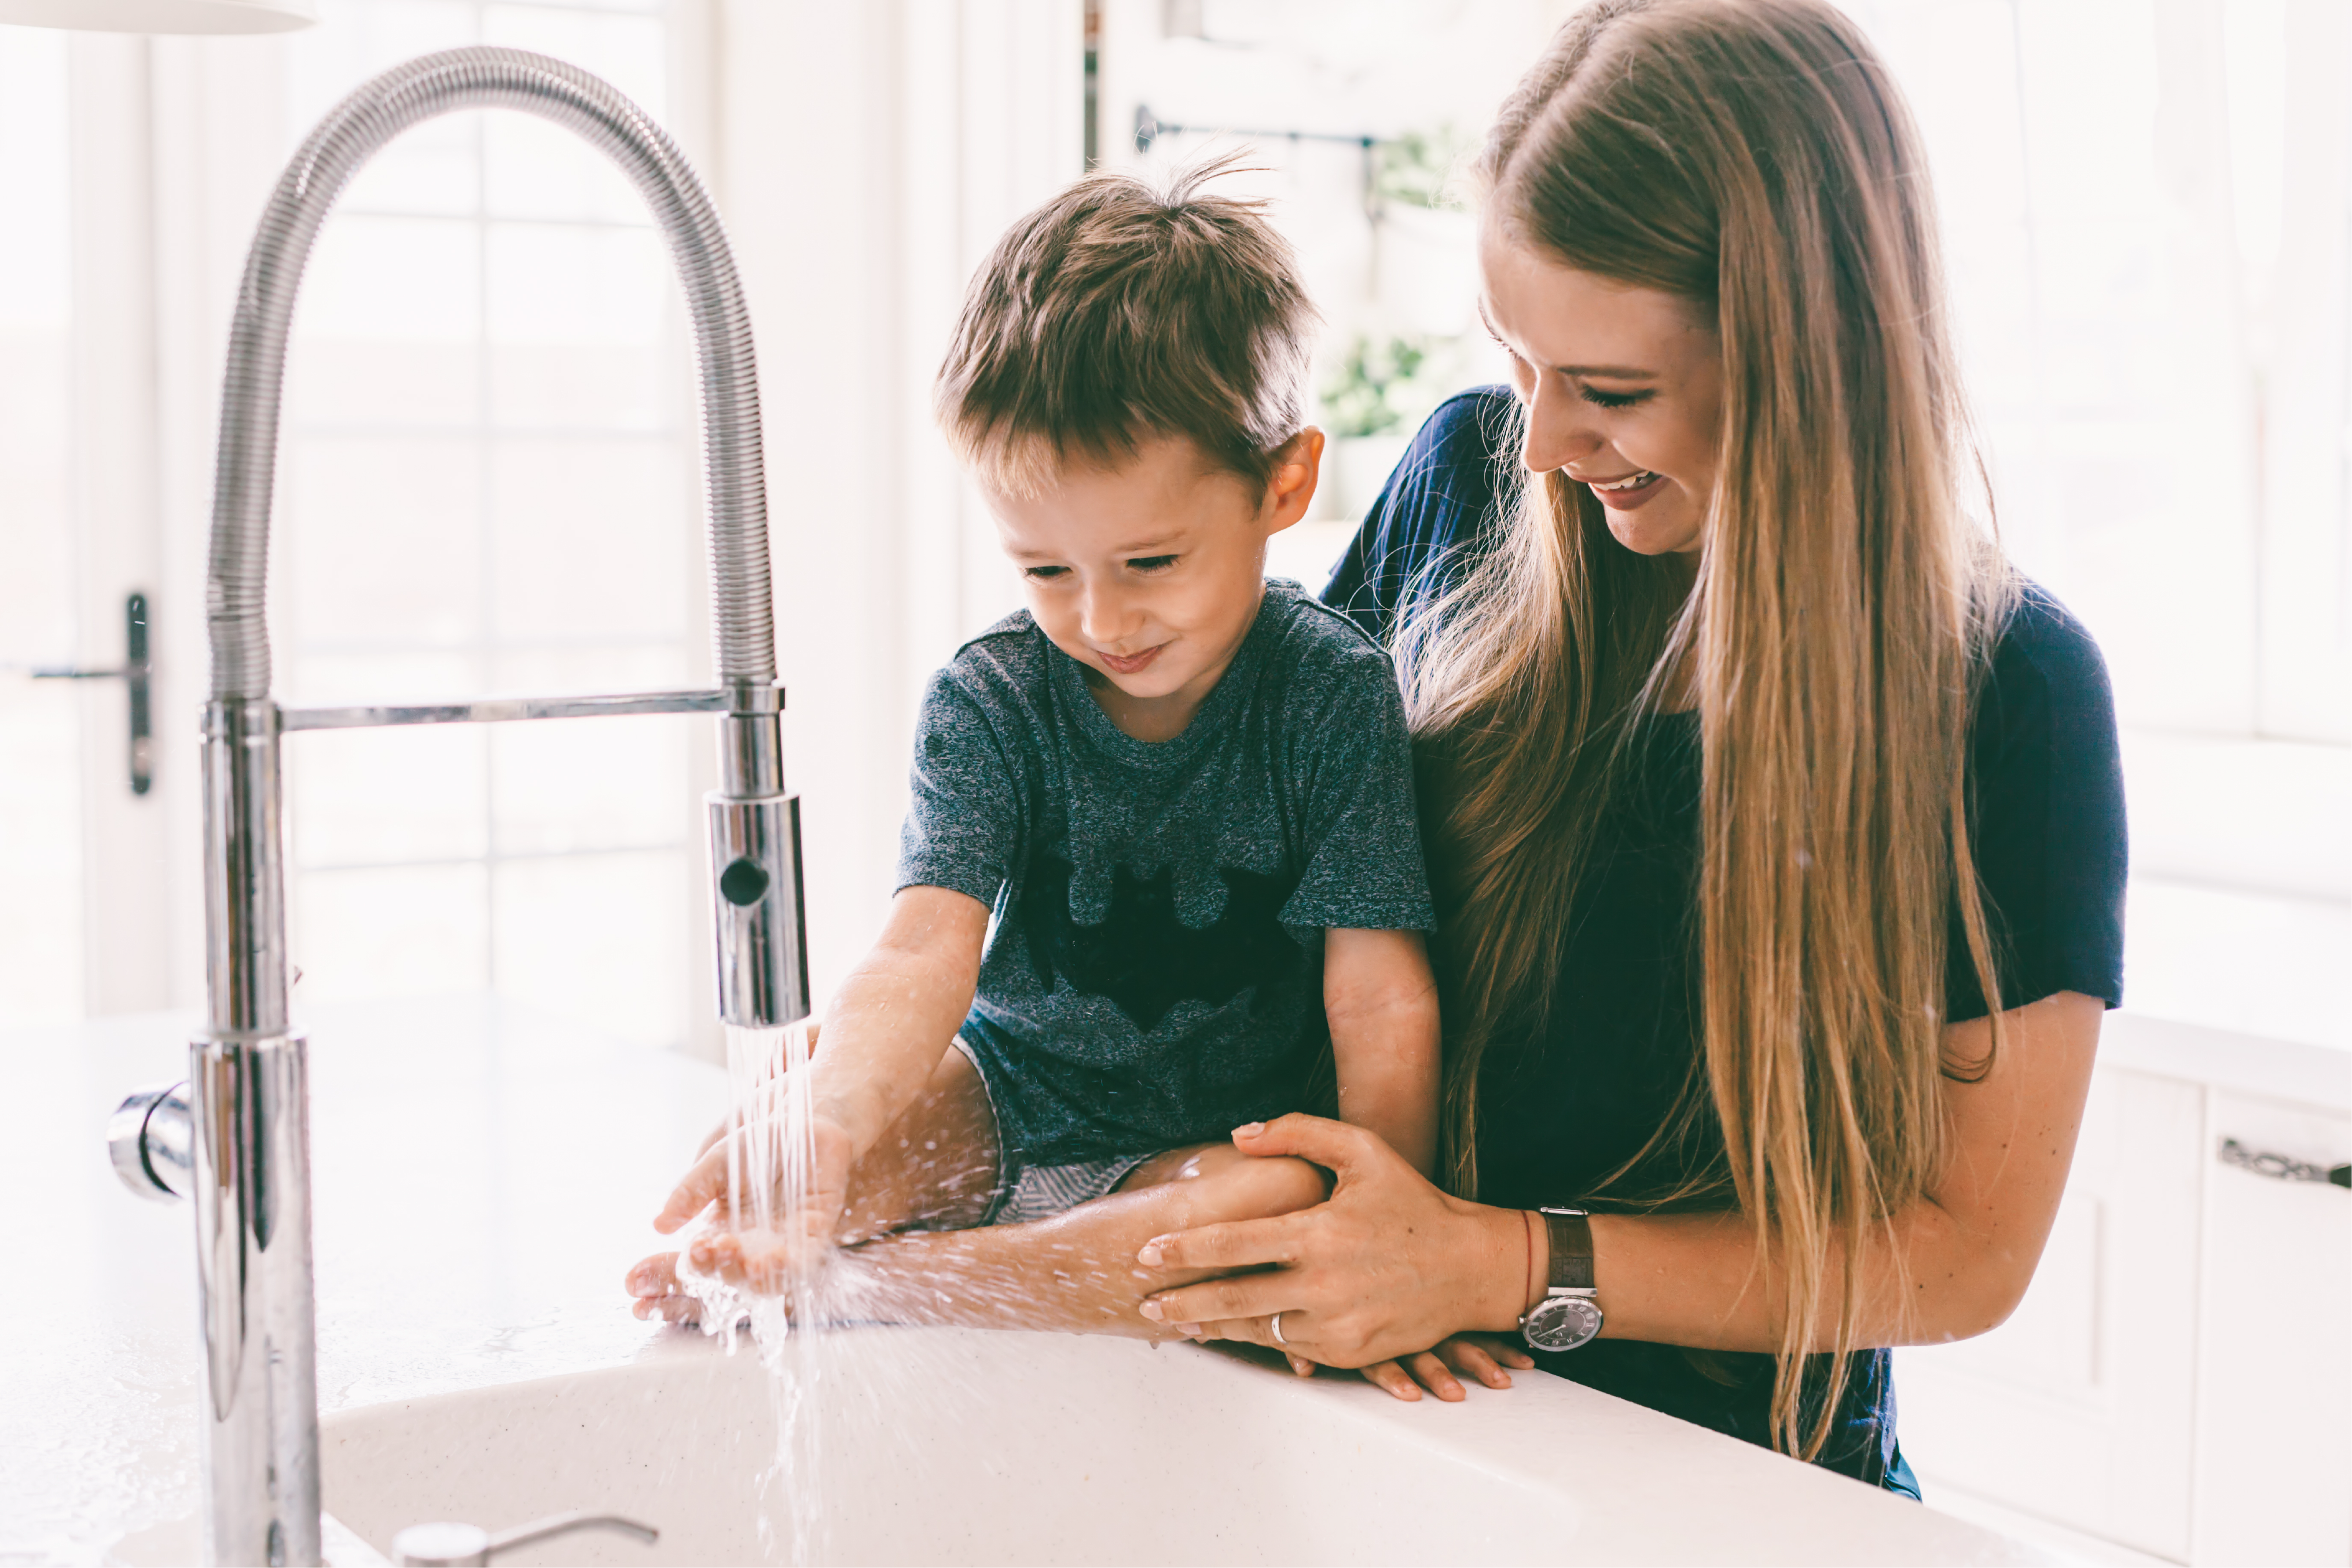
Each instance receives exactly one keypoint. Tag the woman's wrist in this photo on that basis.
(1516, 1257)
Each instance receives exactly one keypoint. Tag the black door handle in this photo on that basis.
(137, 672)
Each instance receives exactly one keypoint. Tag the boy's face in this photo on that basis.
(1149, 574)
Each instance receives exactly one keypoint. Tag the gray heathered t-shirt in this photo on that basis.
(1154, 972)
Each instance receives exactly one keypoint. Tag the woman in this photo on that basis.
(1777, 824)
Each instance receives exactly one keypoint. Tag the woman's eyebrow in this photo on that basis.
(1606, 373)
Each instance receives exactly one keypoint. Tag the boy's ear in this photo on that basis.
(1291, 490)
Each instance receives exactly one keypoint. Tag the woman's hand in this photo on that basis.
(1386, 1268)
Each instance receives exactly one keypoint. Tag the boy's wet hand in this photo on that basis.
(708, 1182)
(701, 1186)
(654, 1283)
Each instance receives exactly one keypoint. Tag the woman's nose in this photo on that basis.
(1559, 431)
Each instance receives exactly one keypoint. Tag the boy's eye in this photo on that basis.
(1045, 573)
(1150, 562)
(1600, 399)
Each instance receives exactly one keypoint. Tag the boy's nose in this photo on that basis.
(1104, 617)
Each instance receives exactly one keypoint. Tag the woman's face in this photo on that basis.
(1623, 387)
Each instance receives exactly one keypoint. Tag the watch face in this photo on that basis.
(1561, 1323)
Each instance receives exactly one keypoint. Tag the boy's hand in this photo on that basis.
(653, 1283)
(737, 1248)
(1480, 1355)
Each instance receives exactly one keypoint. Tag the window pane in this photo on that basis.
(404, 931)
(456, 524)
(403, 279)
(603, 387)
(588, 541)
(559, 284)
(383, 540)
(372, 797)
(537, 170)
(599, 939)
(593, 784)
(343, 381)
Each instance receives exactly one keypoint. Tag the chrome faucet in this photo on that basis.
(235, 1136)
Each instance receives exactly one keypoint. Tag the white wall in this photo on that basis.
(866, 156)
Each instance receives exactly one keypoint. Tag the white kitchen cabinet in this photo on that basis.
(2178, 1379)
(2274, 1354)
(2082, 1407)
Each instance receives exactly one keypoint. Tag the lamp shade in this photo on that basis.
(163, 15)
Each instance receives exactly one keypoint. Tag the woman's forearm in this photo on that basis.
(1698, 1280)
(1946, 1266)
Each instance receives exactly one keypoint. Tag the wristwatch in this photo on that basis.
(1570, 1313)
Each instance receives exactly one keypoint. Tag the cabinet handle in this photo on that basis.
(2283, 1167)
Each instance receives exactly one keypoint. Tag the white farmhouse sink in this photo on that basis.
(942, 1446)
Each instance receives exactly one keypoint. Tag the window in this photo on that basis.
(487, 486)
(2144, 212)
(1350, 119)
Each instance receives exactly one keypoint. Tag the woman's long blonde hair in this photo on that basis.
(1754, 158)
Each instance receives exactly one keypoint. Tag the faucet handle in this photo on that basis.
(450, 1545)
(151, 1140)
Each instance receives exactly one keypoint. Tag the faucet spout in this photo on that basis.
(245, 1159)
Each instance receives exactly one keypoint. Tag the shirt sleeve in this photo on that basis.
(1363, 859)
(2046, 814)
(1440, 496)
(964, 817)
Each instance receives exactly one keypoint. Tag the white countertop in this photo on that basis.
(483, 1177)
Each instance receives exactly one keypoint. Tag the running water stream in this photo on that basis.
(770, 1161)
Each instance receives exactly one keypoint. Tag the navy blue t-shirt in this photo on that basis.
(1562, 1110)
(1154, 974)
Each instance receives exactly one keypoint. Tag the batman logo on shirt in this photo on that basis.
(1141, 957)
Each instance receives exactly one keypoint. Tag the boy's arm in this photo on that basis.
(889, 1025)
(891, 1020)
(1381, 1001)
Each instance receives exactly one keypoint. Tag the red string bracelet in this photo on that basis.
(1530, 1239)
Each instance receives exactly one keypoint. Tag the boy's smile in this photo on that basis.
(1149, 573)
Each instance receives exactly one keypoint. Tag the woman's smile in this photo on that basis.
(1628, 492)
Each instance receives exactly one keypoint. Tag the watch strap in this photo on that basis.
(1571, 1248)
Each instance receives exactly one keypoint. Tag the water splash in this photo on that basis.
(770, 1167)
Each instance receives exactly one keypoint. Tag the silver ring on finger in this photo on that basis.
(1275, 1325)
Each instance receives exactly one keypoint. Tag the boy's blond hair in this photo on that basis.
(1117, 312)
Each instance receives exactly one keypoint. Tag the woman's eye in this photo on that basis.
(1600, 399)
(1151, 562)
(1045, 573)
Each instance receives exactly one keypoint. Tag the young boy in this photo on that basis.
(1161, 855)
